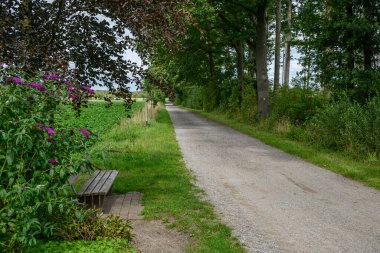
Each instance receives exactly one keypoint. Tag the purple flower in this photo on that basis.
(84, 132)
(48, 139)
(71, 89)
(88, 89)
(67, 83)
(50, 76)
(53, 161)
(38, 86)
(49, 130)
(16, 80)
(73, 97)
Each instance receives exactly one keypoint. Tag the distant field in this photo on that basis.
(97, 117)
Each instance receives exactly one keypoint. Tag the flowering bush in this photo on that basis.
(36, 155)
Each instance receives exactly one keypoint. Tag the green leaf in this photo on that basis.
(10, 156)
(50, 208)
(61, 173)
(10, 181)
(42, 153)
(18, 139)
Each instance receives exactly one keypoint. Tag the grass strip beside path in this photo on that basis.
(363, 171)
(149, 161)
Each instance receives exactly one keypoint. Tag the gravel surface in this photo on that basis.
(275, 202)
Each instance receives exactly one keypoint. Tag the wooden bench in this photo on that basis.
(97, 187)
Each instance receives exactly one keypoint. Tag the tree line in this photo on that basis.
(221, 65)
(229, 45)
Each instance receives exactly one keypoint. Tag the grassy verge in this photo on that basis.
(149, 161)
(99, 246)
(363, 171)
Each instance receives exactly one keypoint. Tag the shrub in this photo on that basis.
(233, 100)
(298, 133)
(36, 155)
(90, 225)
(348, 127)
(99, 246)
(248, 108)
(295, 104)
(194, 97)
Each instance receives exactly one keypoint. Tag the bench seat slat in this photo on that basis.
(102, 181)
(99, 183)
(95, 182)
(88, 183)
(97, 187)
(108, 184)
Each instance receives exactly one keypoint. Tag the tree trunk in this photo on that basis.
(277, 50)
(25, 25)
(240, 67)
(261, 62)
(288, 39)
(368, 38)
(212, 89)
(308, 65)
(252, 60)
(211, 64)
(350, 49)
(240, 62)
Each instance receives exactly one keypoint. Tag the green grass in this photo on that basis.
(367, 172)
(149, 161)
(97, 117)
(99, 246)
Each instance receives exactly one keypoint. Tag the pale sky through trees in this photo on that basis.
(294, 67)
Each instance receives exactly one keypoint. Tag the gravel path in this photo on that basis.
(275, 202)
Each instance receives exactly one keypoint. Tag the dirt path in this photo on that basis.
(276, 202)
(149, 236)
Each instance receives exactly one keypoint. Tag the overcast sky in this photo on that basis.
(294, 66)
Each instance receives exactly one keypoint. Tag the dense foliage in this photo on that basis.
(348, 127)
(86, 40)
(37, 156)
(220, 67)
(340, 45)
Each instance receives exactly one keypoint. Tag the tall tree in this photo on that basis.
(261, 60)
(343, 38)
(239, 47)
(277, 50)
(90, 36)
(257, 10)
(288, 39)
